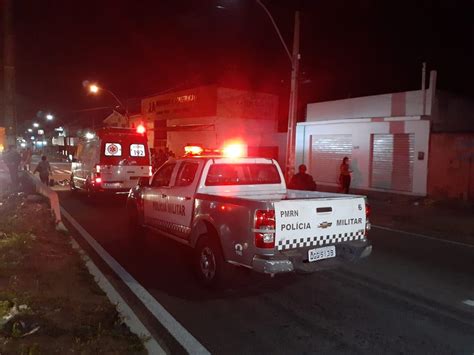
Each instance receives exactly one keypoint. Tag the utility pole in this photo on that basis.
(423, 86)
(293, 107)
(9, 109)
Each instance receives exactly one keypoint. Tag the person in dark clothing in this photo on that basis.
(13, 159)
(44, 169)
(345, 176)
(302, 181)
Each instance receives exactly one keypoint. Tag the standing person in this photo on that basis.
(302, 181)
(13, 159)
(44, 169)
(26, 159)
(161, 158)
(345, 176)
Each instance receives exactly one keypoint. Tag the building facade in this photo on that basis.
(415, 142)
(212, 116)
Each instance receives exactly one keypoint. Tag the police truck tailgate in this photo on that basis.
(319, 224)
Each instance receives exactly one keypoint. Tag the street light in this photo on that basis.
(94, 89)
(49, 117)
(36, 125)
(293, 107)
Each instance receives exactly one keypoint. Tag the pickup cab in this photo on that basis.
(238, 212)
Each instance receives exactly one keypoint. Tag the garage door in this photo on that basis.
(392, 161)
(327, 152)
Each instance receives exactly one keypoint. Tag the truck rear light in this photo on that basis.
(367, 210)
(265, 220)
(98, 180)
(97, 168)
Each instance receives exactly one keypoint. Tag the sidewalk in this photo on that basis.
(450, 220)
(49, 301)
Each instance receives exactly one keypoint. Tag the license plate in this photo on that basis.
(111, 184)
(321, 253)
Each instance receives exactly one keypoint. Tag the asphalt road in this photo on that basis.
(408, 297)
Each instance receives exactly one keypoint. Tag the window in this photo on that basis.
(163, 176)
(113, 150)
(137, 150)
(242, 174)
(186, 174)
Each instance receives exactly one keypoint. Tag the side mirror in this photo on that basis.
(144, 181)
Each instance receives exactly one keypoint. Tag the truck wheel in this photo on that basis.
(211, 268)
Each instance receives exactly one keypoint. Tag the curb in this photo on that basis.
(127, 314)
(53, 198)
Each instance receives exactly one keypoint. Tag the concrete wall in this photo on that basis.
(233, 103)
(214, 132)
(452, 113)
(451, 166)
(361, 131)
(409, 103)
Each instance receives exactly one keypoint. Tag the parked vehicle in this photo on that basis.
(238, 211)
(110, 161)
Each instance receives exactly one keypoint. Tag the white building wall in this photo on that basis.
(408, 103)
(361, 131)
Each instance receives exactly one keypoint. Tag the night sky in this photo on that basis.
(137, 48)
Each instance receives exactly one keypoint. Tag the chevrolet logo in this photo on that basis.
(325, 225)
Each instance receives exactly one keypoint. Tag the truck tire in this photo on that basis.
(211, 268)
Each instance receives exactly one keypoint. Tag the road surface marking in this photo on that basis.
(469, 302)
(424, 236)
(129, 317)
(187, 341)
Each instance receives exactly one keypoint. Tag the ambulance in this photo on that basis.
(110, 161)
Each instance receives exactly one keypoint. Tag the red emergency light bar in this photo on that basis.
(228, 151)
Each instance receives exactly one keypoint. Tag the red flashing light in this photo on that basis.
(193, 150)
(98, 180)
(367, 210)
(234, 150)
(265, 220)
(141, 129)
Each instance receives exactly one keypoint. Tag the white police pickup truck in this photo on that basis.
(238, 211)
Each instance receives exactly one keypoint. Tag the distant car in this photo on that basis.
(110, 161)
